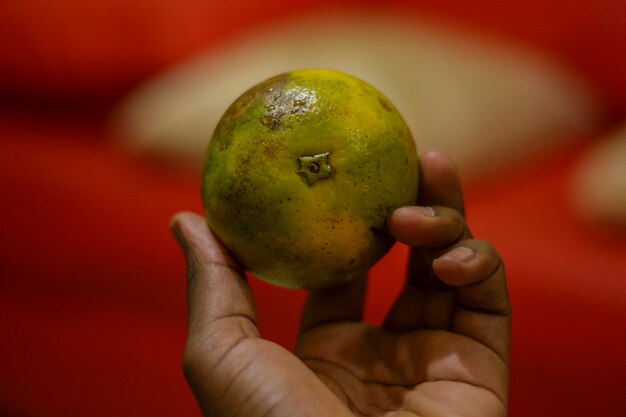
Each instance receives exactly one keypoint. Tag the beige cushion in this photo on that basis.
(598, 188)
(482, 102)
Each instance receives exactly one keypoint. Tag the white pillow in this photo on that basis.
(598, 186)
(482, 102)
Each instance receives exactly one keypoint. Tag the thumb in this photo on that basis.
(230, 369)
(220, 301)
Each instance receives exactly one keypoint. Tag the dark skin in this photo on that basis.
(442, 350)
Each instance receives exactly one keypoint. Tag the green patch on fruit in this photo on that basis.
(301, 173)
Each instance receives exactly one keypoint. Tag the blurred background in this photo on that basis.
(105, 110)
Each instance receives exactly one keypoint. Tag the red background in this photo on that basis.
(92, 288)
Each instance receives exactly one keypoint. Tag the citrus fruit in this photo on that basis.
(301, 173)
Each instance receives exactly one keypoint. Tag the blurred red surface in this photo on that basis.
(92, 287)
(92, 293)
(74, 50)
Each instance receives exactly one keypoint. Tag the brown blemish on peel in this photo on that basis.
(281, 104)
(384, 104)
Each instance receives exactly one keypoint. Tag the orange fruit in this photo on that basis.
(301, 173)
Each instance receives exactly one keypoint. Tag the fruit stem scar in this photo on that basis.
(313, 168)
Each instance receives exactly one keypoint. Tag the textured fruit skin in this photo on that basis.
(301, 173)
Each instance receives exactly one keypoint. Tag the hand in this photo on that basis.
(442, 350)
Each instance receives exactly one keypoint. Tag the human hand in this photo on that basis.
(442, 350)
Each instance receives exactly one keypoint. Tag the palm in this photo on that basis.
(442, 350)
(422, 373)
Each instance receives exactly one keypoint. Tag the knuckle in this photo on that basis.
(491, 266)
(483, 248)
(447, 228)
(458, 224)
(486, 260)
(454, 223)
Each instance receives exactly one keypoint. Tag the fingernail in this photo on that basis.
(460, 253)
(427, 211)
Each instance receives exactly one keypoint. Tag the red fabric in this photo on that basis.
(92, 288)
(567, 285)
(586, 35)
(76, 50)
(71, 49)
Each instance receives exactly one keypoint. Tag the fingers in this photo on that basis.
(426, 227)
(429, 230)
(454, 282)
(229, 368)
(483, 310)
(440, 196)
(440, 183)
(219, 299)
(342, 303)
